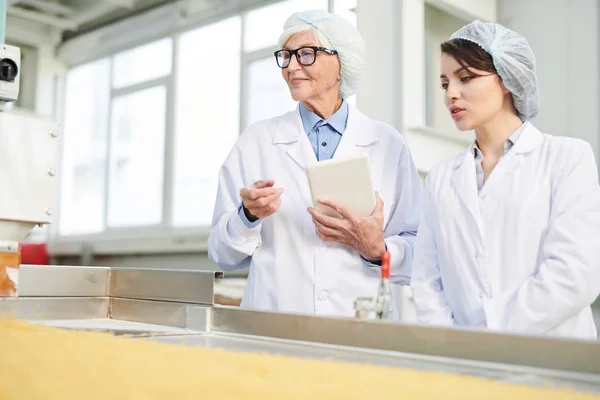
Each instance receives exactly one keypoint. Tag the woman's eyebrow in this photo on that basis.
(454, 73)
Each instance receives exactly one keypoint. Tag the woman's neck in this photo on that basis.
(492, 135)
(324, 106)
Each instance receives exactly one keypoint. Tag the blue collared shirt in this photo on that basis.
(324, 136)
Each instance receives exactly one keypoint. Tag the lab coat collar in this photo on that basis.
(360, 132)
(527, 141)
(289, 129)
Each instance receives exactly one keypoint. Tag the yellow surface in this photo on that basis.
(48, 363)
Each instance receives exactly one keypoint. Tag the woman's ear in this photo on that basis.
(505, 91)
(510, 100)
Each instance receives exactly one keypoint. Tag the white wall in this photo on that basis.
(484, 10)
(51, 74)
(564, 36)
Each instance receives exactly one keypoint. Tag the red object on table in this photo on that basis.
(385, 266)
(34, 253)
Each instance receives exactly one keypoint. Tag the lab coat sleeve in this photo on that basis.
(401, 229)
(231, 242)
(568, 277)
(429, 298)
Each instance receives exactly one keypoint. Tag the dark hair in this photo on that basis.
(469, 55)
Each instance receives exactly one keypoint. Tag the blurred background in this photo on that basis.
(151, 96)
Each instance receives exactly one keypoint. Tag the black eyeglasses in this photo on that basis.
(305, 55)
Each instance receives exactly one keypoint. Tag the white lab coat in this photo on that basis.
(523, 255)
(290, 268)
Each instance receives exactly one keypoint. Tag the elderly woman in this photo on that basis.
(510, 234)
(299, 259)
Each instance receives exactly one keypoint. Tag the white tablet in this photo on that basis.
(345, 180)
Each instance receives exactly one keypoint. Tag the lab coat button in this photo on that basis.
(481, 295)
(323, 295)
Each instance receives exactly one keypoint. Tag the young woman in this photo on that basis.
(509, 237)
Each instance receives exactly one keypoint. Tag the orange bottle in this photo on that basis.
(9, 261)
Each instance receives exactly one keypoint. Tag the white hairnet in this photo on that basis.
(514, 60)
(341, 35)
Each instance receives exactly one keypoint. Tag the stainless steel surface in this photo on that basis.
(49, 280)
(198, 318)
(500, 372)
(193, 317)
(115, 327)
(165, 285)
(47, 308)
(485, 346)
(150, 312)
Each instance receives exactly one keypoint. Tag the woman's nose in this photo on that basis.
(294, 65)
(452, 91)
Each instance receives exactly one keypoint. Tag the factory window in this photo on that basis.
(268, 94)
(136, 165)
(114, 140)
(142, 64)
(264, 25)
(207, 116)
(85, 149)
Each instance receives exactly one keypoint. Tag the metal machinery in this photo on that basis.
(177, 306)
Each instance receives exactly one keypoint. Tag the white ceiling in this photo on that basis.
(55, 22)
(70, 15)
(73, 17)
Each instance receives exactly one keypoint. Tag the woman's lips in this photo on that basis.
(456, 112)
